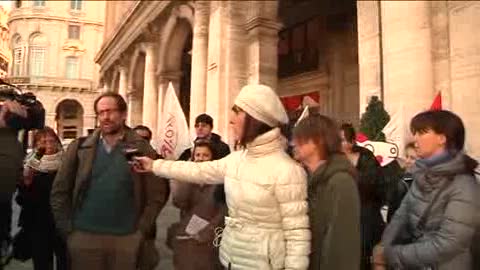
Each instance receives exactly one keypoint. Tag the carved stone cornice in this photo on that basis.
(167, 76)
(151, 33)
(132, 92)
(76, 47)
(147, 46)
(129, 31)
(123, 61)
(202, 18)
(266, 24)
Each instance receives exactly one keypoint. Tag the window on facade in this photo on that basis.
(17, 62)
(38, 3)
(38, 49)
(74, 32)
(76, 4)
(298, 48)
(71, 67)
(70, 134)
(18, 3)
(70, 111)
(37, 60)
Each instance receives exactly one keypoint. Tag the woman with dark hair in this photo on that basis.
(437, 219)
(333, 200)
(196, 202)
(266, 191)
(372, 190)
(36, 217)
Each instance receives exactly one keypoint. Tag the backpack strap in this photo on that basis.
(423, 219)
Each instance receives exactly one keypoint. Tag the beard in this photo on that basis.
(111, 128)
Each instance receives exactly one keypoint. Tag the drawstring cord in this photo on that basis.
(218, 236)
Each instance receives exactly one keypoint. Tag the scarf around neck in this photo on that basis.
(436, 159)
(48, 163)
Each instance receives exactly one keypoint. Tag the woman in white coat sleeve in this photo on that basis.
(266, 191)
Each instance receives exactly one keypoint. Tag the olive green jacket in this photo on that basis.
(334, 211)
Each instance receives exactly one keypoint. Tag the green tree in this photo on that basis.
(374, 120)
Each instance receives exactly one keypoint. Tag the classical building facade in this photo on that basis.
(4, 43)
(335, 53)
(53, 45)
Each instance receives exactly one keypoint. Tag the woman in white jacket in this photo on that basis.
(266, 191)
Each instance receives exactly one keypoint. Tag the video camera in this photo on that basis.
(27, 99)
(35, 111)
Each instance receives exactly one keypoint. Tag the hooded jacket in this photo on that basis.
(334, 211)
(266, 193)
(450, 226)
(220, 148)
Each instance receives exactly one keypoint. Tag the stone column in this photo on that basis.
(464, 45)
(408, 65)
(369, 51)
(129, 108)
(106, 87)
(106, 79)
(25, 68)
(123, 82)
(441, 51)
(199, 60)
(263, 28)
(134, 101)
(407, 60)
(336, 66)
(150, 93)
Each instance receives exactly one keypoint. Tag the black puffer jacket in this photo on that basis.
(397, 193)
(372, 188)
(35, 202)
(220, 148)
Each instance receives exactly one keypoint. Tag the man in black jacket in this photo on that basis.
(13, 117)
(203, 129)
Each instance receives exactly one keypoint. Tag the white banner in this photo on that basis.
(174, 135)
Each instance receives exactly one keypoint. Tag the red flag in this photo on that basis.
(437, 103)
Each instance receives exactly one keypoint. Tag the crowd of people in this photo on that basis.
(94, 206)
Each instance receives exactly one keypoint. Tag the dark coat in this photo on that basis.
(397, 193)
(372, 189)
(334, 212)
(11, 163)
(193, 199)
(220, 149)
(35, 202)
(36, 219)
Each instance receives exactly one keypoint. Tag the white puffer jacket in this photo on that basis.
(266, 193)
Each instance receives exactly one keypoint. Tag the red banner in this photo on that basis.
(437, 103)
(291, 103)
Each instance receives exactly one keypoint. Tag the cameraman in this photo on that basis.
(13, 117)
